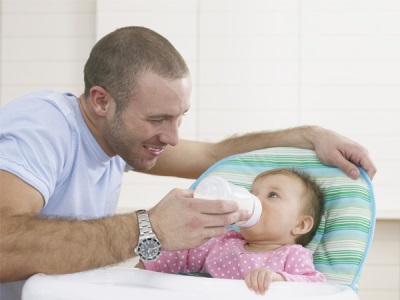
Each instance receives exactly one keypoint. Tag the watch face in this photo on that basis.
(149, 249)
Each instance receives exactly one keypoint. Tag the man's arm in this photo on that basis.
(189, 159)
(30, 244)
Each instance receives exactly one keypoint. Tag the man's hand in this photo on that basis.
(336, 150)
(259, 280)
(182, 222)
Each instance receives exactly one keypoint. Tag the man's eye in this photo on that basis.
(273, 195)
(156, 121)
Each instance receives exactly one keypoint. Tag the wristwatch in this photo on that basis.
(148, 247)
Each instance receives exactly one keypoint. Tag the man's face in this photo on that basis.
(150, 121)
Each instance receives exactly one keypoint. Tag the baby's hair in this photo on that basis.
(313, 194)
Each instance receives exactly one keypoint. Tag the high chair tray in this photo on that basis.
(121, 284)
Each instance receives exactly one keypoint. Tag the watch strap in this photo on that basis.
(145, 229)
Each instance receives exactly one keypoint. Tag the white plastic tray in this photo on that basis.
(121, 284)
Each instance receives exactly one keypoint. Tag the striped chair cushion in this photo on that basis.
(344, 236)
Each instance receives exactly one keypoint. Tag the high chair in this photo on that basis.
(344, 236)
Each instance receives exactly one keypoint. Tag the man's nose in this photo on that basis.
(170, 134)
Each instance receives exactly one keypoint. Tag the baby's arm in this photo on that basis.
(185, 261)
(299, 266)
(167, 262)
(258, 280)
(310, 276)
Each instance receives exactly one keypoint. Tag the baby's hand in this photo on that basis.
(259, 280)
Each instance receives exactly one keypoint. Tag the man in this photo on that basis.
(62, 160)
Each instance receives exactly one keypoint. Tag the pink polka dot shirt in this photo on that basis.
(225, 257)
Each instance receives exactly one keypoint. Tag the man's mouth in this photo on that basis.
(155, 151)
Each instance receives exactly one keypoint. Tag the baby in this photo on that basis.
(270, 250)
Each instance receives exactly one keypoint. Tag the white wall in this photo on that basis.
(255, 65)
(44, 44)
(262, 65)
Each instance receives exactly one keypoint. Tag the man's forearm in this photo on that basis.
(191, 158)
(30, 245)
(300, 137)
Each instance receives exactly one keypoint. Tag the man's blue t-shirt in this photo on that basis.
(45, 141)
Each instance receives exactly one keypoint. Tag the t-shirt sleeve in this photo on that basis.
(34, 142)
(299, 266)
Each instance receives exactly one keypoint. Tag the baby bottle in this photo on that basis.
(215, 187)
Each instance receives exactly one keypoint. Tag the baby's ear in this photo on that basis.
(304, 225)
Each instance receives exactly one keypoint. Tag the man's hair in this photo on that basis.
(119, 58)
(313, 194)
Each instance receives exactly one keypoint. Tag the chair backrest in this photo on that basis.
(344, 236)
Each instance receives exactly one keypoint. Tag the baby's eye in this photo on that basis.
(273, 195)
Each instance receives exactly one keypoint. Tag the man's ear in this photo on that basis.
(99, 100)
(304, 225)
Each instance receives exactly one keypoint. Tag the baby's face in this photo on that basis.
(282, 203)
